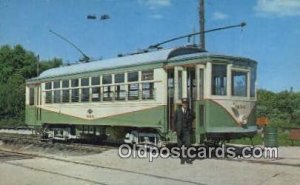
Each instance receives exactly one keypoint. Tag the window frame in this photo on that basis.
(130, 98)
(46, 84)
(246, 72)
(83, 80)
(58, 91)
(55, 83)
(84, 98)
(109, 92)
(77, 97)
(92, 80)
(110, 81)
(48, 100)
(132, 72)
(119, 86)
(117, 82)
(151, 90)
(77, 79)
(120, 92)
(99, 93)
(147, 71)
(213, 84)
(62, 84)
(63, 98)
(31, 101)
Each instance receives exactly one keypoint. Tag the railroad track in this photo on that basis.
(31, 156)
(10, 156)
(23, 139)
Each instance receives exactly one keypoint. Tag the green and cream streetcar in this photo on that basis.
(133, 97)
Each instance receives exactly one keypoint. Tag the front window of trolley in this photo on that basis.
(231, 101)
(230, 80)
(242, 81)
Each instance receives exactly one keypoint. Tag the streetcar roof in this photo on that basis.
(136, 59)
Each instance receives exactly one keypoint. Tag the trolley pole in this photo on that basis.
(202, 24)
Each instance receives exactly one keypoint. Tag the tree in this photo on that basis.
(283, 108)
(265, 102)
(17, 65)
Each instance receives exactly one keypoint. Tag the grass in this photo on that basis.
(283, 139)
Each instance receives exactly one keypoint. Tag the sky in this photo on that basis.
(271, 37)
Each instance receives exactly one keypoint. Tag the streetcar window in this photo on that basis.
(239, 83)
(148, 91)
(133, 76)
(253, 80)
(219, 79)
(75, 95)
(65, 96)
(85, 94)
(74, 83)
(56, 84)
(133, 91)
(179, 84)
(96, 94)
(31, 96)
(48, 85)
(48, 97)
(170, 84)
(107, 93)
(120, 92)
(65, 83)
(85, 81)
(96, 80)
(147, 75)
(106, 79)
(119, 78)
(201, 84)
(56, 96)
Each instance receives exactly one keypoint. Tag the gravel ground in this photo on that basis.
(108, 168)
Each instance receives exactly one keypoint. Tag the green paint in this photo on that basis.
(30, 118)
(199, 120)
(154, 118)
(217, 119)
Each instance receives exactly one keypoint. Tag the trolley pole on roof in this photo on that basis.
(202, 24)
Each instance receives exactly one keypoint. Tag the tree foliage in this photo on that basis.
(283, 108)
(17, 65)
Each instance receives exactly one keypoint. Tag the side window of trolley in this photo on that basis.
(75, 90)
(253, 82)
(66, 91)
(133, 86)
(120, 87)
(56, 92)
(31, 96)
(147, 87)
(107, 81)
(96, 89)
(48, 92)
(85, 90)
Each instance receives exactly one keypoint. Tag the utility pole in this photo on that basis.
(38, 65)
(202, 24)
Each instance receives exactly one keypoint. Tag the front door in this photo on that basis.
(185, 82)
